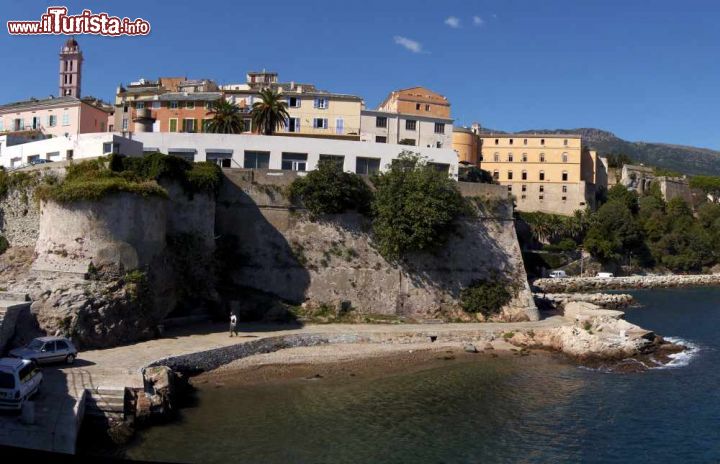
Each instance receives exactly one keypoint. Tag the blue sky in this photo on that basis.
(645, 70)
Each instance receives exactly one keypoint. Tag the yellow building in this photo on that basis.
(466, 144)
(313, 112)
(544, 172)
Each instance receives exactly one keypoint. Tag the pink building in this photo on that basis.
(66, 115)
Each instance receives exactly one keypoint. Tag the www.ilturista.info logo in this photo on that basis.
(57, 21)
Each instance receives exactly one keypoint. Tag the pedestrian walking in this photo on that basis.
(233, 325)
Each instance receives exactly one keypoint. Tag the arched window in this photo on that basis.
(542, 157)
(510, 157)
(511, 141)
(564, 176)
(496, 157)
(564, 158)
(524, 157)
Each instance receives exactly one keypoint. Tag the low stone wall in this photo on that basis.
(584, 284)
(604, 300)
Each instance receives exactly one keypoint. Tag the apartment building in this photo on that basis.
(168, 104)
(544, 172)
(54, 116)
(416, 117)
(312, 112)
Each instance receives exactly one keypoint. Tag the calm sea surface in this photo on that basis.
(509, 409)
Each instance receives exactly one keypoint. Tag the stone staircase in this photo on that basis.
(107, 405)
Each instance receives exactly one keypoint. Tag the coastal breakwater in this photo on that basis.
(589, 284)
(603, 300)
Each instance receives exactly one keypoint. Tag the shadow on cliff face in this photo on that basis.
(261, 274)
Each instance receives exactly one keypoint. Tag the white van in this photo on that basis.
(558, 274)
(605, 275)
(19, 380)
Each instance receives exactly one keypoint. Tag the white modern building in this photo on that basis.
(79, 146)
(289, 153)
(410, 129)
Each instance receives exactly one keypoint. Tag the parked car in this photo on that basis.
(39, 161)
(19, 380)
(47, 350)
(558, 274)
(605, 275)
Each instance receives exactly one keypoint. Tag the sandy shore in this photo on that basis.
(337, 362)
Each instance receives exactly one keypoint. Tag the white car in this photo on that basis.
(605, 275)
(19, 380)
(558, 274)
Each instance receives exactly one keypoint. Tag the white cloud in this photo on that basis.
(453, 22)
(478, 21)
(412, 45)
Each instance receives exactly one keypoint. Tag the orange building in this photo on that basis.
(418, 101)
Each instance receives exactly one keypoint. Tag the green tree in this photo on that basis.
(329, 190)
(226, 118)
(415, 207)
(270, 113)
(620, 193)
(614, 236)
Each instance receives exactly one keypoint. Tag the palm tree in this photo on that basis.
(226, 118)
(269, 113)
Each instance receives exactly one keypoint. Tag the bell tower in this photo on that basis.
(70, 68)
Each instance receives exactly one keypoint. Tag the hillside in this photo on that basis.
(688, 160)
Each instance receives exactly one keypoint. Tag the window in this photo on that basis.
(524, 141)
(294, 161)
(509, 175)
(542, 176)
(564, 176)
(542, 157)
(125, 125)
(510, 157)
(564, 189)
(564, 158)
(257, 160)
(320, 123)
(439, 127)
(188, 125)
(321, 103)
(542, 189)
(524, 175)
(18, 124)
(173, 124)
(173, 105)
(156, 105)
(440, 167)
(524, 188)
(66, 119)
(222, 158)
(524, 157)
(140, 105)
(339, 126)
(564, 198)
(185, 154)
(410, 124)
(417, 106)
(496, 174)
(293, 102)
(293, 125)
(381, 121)
(190, 105)
(36, 122)
(427, 107)
(496, 157)
(339, 160)
(125, 109)
(107, 147)
(497, 141)
(209, 105)
(69, 154)
(380, 139)
(511, 141)
(541, 197)
(367, 166)
(542, 141)
(509, 188)
(565, 142)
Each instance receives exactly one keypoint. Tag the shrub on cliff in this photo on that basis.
(415, 207)
(4, 245)
(193, 177)
(486, 297)
(93, 180)
(329, 190)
